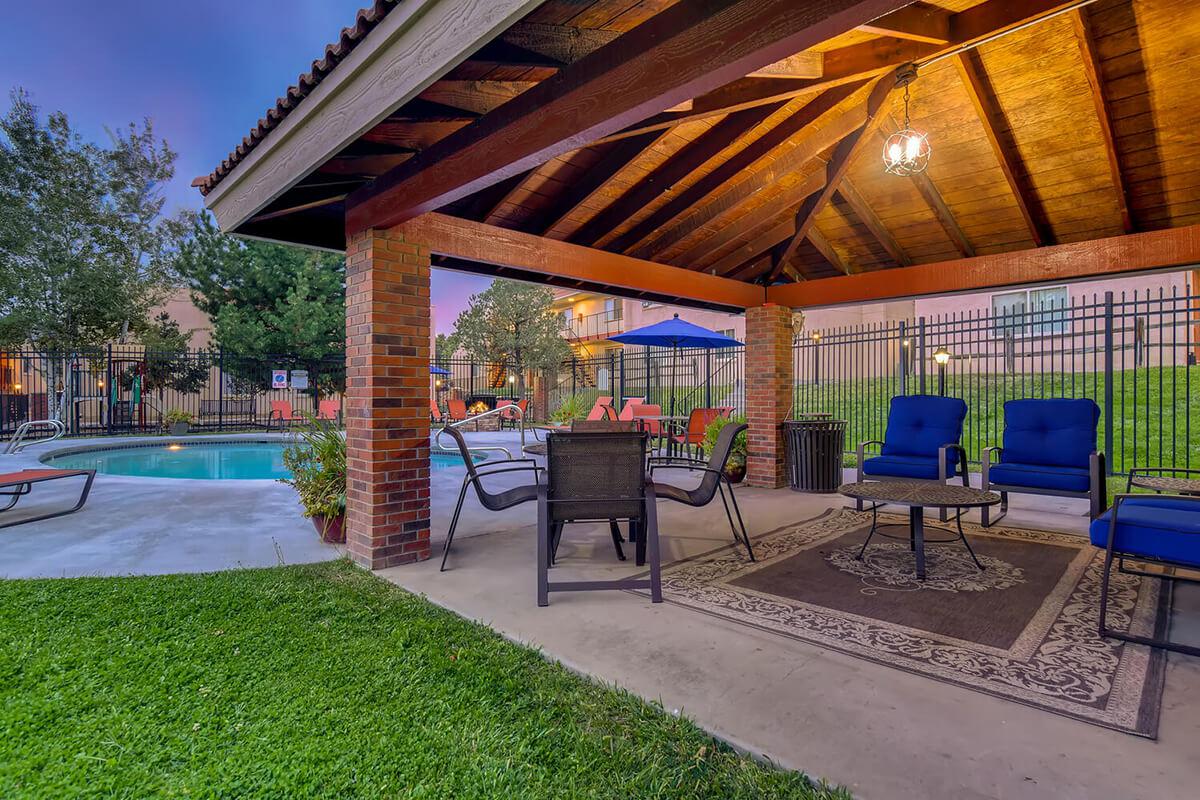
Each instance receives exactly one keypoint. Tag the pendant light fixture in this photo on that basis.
(906, 152)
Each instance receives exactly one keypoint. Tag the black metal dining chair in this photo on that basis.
(713, 483)
(597, 477)
(492, 501)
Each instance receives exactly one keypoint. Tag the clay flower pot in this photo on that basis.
(735, 469)
(332, 529)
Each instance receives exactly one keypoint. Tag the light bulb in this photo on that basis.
(894, 152)
(912, 147)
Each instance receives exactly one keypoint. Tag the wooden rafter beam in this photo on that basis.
(690, 48)
(839, 164)
(918, 22)
(483, 204)
(983, 97)
(618, 156)
(561, 43)
(933, 198)
(476, 242)
(478, 97)
(862, 209)
(763, 162)
(809, 64)
(783, 202)
(736, 262)
(1136, 252)
(1081, 21)
(825, 248)
(663, 178)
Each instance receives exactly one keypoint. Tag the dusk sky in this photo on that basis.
(204, 72)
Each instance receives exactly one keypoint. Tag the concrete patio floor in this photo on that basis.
(882, 732)
(154, 526)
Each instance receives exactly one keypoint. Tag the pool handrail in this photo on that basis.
(17, 443)
(512, 409)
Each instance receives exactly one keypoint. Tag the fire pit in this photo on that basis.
(478, 404)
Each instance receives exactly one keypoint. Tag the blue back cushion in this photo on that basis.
(1058, 433)
(919, 424)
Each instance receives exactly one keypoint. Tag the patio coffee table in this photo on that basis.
(1161, 480)
(918, 496)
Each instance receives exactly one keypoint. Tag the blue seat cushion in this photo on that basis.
(914, 467)
(920, 424)
(1056, 433)
(1038, 476)
(1164, 528)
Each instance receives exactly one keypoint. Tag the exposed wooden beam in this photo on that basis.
(476, 242)
(483, 204)
(862, 210)
(933, 198)
(1081, 21)
(918, 22)
(823, 246)
(785, 201)
(742, 175)
(283, 212)
(979, 89)
(514, 188)
(421, 110)
(619, 155)
(478, 97)
(735, 262)
(1135, 252)
(561, 43)
(839, 164)
(661, 179)
(499, 53)
(688, 49)
(809, 64)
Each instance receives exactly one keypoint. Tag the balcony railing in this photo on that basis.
(594, 326)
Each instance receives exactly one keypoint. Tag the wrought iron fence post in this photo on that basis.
(1110, 457)
(921, 354)
(904, 345)
(612, 372)
(620, 398)
(708, 378)
(221, 390)
(574, 373)
(108, 390)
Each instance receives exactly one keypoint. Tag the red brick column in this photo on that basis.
(769, 380)
(387, 400)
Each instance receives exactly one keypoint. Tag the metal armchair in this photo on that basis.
(492, 501)
(714, 482)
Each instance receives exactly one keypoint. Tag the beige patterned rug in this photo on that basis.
(1023, 629)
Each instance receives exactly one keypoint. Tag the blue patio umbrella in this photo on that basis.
(675, 333)
(436, 370)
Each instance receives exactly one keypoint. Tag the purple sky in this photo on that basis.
(204, 72)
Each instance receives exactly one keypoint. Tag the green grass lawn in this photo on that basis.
(319, 681)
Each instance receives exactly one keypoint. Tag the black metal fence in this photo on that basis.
(1134, 354)
(128, 389)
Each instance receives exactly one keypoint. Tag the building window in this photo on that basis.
(1032, 312)
(612, 308)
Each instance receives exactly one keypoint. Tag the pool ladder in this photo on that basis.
(17, 443)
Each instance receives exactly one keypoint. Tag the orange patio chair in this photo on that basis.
(435, 413)
(650, 426)
(281, 412)
(457, 409)
(329, 409)
(630, 404)
(598, 407)
(698, 420)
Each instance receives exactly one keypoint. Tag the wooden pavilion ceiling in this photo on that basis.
(1078, 127)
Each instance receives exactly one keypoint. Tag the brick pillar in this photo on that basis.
(769, 380)
(387, 400)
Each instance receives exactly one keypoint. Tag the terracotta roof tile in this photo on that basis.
(365, 21)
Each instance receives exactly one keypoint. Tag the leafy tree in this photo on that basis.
(169, 365)
(442, 349)
(84, 244)
(272, 306)
(512, 323)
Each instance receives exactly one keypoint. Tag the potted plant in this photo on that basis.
(317, 463)
(178, 421)
(571, 408)
(735, 467)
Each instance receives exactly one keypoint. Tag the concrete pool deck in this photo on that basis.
(154, 526)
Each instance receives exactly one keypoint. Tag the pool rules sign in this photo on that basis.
(279, 379)
(299, 379)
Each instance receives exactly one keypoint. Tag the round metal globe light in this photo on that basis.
(906, 152)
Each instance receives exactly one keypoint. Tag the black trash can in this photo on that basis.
(814, 454)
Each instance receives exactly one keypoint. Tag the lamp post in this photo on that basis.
(816, 340)
(512, 380)
(941, 357)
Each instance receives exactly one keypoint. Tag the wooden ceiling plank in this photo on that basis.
(862, 209)
(979, 89)
(809, 64)
(562, 43)
(688, 49)
(839, 165)
(1081, 21)
(1135, 252)
(479, 97)
(737, 169)
(681, 164)
(619, 156)
(486, 244)
(735, 262)
(822, 245)
(484, 204)
(918, 22)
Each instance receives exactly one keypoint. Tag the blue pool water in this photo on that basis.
(209, 460)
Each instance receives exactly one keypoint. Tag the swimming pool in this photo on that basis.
(203, 460)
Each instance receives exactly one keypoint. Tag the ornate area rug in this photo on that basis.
(1023, 629)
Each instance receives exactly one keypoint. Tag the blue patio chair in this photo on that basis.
(921, 443)
(1160, 529)
(1049, 449)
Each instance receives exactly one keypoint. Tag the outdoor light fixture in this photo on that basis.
(16, 387)
(438, 383)
(941, 356)
(816, 337)
(906, 152)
